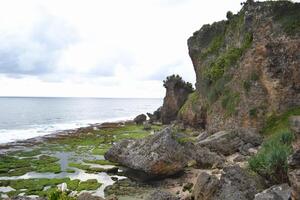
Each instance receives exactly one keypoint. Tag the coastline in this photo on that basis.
(25, 143)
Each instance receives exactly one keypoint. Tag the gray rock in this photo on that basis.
(229, 142)
(277, 192)
(238, 184)
(205, 187)
(235, 184)
(206, 159)
(294, 174)
(161, 195)
(160, 154)
(88, 196)
(140, 119)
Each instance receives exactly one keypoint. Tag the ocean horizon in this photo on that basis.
(23, 118)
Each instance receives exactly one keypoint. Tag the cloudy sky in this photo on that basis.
(99, 48)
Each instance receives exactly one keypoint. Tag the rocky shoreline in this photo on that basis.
(236, 136)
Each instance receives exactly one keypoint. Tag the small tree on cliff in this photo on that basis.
(179, 82)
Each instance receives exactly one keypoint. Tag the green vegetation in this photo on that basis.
(190, 103)
(14, 166)
(230, 101)
(288, 15)
(59, 195)
(179, 82)
(271, 160)
(278, 123)
(82, 146)
(37, 186)
(91, 184)
(214, 46)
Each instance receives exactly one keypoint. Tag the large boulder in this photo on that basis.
(88, 196)
(177, 92)
(160, 154)
(161, 195)
(235, 184)
(276, 192)
(140, 119)
(229, 142)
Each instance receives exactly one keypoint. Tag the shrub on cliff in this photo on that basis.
(271, 160)
(179, 81)
(59, 195)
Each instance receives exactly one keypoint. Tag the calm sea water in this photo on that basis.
(23, 118)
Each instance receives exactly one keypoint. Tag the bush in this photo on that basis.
(271, 160)
(59, 195)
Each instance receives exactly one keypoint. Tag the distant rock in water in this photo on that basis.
(140, 119)
(176, 94)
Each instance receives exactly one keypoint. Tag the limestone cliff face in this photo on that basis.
(247, 67)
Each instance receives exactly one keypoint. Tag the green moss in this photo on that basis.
(278, 123)
(91, 184)
(59, 195)
(13, 166)
(230, 101)
(79, 166)
(271, 160)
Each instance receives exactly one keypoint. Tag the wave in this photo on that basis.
(13, 135)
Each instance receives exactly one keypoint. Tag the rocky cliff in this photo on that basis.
(247, 67)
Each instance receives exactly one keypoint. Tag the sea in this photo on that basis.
(28, 117)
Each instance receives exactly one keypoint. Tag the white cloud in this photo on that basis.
(99, 48)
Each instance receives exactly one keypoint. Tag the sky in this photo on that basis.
(99, 48)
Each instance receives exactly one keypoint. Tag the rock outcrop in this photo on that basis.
(162, 154)
(229, 142)
(161, 195)
(158, 155)
(140, 119)
(276, 192)
(235, 184)
(247, 67)
(177, 92)
(294, 160)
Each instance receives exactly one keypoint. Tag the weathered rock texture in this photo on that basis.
(276, 192)
(235, 184)
(162, 154)
(176, 94)
(247, 67)
(161, 195)
(294, 160)
(229, 142)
